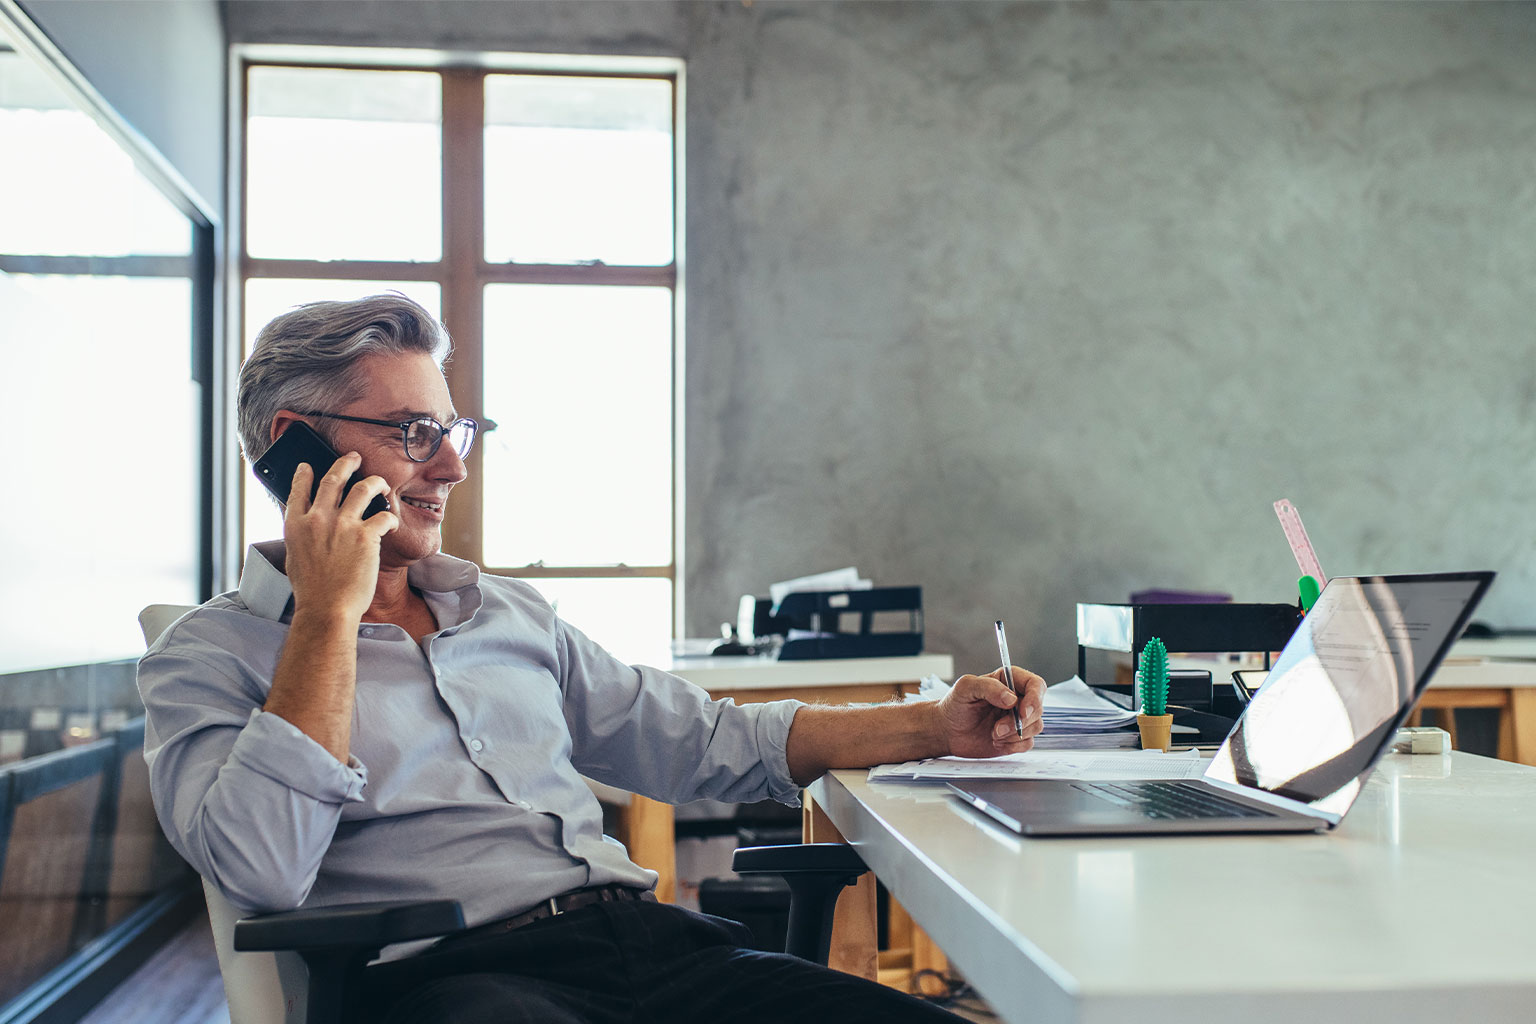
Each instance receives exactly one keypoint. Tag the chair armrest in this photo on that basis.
(370, 925)
(799, 859)
(816, 873)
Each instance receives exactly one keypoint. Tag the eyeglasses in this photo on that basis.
(421, 436)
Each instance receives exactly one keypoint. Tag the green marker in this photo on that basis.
(1309, 591)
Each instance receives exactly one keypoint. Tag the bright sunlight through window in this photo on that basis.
(563, 319)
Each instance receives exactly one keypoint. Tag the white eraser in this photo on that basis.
(1422, 739)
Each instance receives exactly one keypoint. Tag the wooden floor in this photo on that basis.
(178, 985)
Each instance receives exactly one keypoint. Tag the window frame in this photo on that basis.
(463, 272)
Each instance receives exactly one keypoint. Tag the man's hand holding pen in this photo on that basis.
(978, 713)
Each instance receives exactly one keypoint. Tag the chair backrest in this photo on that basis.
(262, 988)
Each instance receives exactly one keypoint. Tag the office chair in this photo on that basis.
(300, 966)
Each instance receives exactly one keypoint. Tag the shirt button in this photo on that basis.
(525, 805)
(476, 746)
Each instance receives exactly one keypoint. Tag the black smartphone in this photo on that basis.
(299, 443)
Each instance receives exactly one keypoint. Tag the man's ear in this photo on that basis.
(284, 419)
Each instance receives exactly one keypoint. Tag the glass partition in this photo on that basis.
(105, 327)
(96, 279)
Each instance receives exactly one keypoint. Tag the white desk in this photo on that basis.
(648, 824)
(1421, 907)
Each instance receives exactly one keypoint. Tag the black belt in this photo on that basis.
(552, 907)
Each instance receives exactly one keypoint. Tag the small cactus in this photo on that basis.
(1152, 678)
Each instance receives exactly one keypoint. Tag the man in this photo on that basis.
(367, 718)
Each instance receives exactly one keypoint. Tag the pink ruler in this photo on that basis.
(1301, 546)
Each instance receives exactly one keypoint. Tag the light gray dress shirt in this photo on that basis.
(463, 781)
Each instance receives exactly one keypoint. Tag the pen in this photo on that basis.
(1002, 650)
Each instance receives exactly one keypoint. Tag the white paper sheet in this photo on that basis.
(1093, 765)
(836, 579)
(1072, 707)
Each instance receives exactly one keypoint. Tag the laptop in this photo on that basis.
(1301, 751)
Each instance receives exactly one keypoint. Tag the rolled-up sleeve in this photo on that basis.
(249, 800)
(657, 734)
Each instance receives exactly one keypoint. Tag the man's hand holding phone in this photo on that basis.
(333, 552)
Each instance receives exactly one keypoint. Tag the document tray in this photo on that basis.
(844, 624)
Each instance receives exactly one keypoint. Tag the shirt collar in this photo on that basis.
(265, 590)
(443, 574)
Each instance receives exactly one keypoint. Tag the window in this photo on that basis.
(535, 210)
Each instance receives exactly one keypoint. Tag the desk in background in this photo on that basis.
(1418, 908)
(648, 824)
(1489, 673)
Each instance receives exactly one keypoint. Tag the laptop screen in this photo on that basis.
(1344, 684)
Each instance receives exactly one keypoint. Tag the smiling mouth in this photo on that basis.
(422, 504)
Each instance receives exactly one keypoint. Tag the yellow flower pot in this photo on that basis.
(1156, 731)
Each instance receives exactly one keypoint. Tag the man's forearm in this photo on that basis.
(822, 738)
(315, 684)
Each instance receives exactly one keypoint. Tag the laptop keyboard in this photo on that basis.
(1169, 800)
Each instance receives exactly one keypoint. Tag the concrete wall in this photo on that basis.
(1035, 303)
(161, 65)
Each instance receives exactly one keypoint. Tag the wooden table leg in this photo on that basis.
(1447, 719)
(652, 842)
(927, 956)
(1522, 725)
(854, 930)
(910, 953)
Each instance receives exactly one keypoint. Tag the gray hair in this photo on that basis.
(307, 358)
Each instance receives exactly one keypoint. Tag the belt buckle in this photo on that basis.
(554, 908)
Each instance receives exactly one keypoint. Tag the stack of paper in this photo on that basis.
(1072, 708)
(836, 579)
(1115, 739)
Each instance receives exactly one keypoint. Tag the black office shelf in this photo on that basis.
(1221, 628)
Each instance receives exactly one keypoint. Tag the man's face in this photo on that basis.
(401, 387)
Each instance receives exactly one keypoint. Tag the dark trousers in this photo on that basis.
(625, 962)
